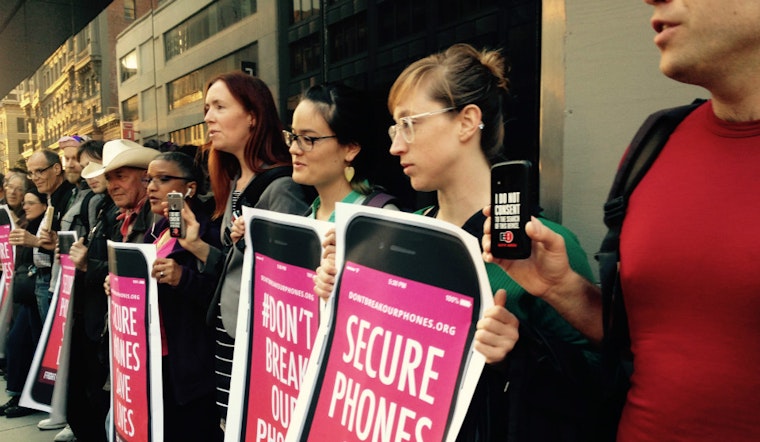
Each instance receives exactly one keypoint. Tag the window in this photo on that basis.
(207, 22)
(349, 37)
(189, 88)
(190, 135)
(129, 110)
(21, 146)
(457, 9)
(130, 10)
(304, 9)
(305, 55)
(401, 18)
(128, 66)
(185, 90)
(21, 125)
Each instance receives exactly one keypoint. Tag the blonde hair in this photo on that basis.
(459, 76)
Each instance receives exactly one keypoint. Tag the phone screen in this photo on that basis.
(176, 201)
(403, 321)
(511, 204)
(284, 323)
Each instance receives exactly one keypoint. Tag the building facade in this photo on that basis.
(14, 132)
(75, 91)
(166, 57)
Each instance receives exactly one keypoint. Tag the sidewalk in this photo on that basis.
(22, 429)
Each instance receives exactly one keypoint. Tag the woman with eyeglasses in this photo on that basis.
(16, 184)
(26, 326)
(184, 296)
(248, 165)
(448, 132)
(331, 149)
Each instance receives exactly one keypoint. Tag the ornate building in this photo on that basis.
(75, 92)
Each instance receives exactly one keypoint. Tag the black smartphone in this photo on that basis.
(176, 224)
(286, 314)
(511, 205)
(407, 284)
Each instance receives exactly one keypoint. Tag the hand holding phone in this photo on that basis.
(176, 202)
(511, 205)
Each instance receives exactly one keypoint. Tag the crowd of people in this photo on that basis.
(543, 337)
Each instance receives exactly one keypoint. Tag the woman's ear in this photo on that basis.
(471, 119)
(352, 150)
(192, 187)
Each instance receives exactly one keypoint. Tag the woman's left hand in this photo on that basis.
(167, 271)
(497, 330)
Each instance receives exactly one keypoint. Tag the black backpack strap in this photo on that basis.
(253, 192)
(643, 151)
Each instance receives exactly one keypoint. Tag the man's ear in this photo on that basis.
(471, 119)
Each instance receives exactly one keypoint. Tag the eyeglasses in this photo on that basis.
(159, 180)
(406, 124)
(305, 142)
(38, 173)
(13, 189)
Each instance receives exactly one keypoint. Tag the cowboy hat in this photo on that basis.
(122, 153)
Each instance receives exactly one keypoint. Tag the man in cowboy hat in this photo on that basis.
(125, 164)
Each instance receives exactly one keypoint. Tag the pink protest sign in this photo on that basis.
(395, 359)
(284, 325)
(52, 355)
(6, 259)
(129, 358)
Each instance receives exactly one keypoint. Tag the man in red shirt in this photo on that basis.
(689, 278)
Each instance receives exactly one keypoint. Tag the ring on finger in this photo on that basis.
(161, 275)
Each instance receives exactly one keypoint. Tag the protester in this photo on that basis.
(330, 148)
(450, 129)
(27, 326)
(247, 162)
(69, 145)
(87, 399)
(184, 297)
(46, 171)
(15, 187)
(690, 301)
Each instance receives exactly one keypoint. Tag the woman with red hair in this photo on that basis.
(249, 165)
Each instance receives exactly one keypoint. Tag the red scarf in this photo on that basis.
(128, 216)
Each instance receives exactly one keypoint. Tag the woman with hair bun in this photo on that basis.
(449, 131)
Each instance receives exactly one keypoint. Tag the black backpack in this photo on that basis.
(616, 344)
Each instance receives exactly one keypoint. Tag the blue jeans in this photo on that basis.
(42, 291)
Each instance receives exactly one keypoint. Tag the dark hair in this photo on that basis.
(93, 149)
(51, 157)
(188, 166)
(459, 76)
(41, 196)
(346, 111)
(264, 148)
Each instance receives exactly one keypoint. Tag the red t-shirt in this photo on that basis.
(690, 269)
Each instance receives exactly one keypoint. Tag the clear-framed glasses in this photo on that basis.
(160, 180)
(406, 124)
(305, 142)
(38, 173)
